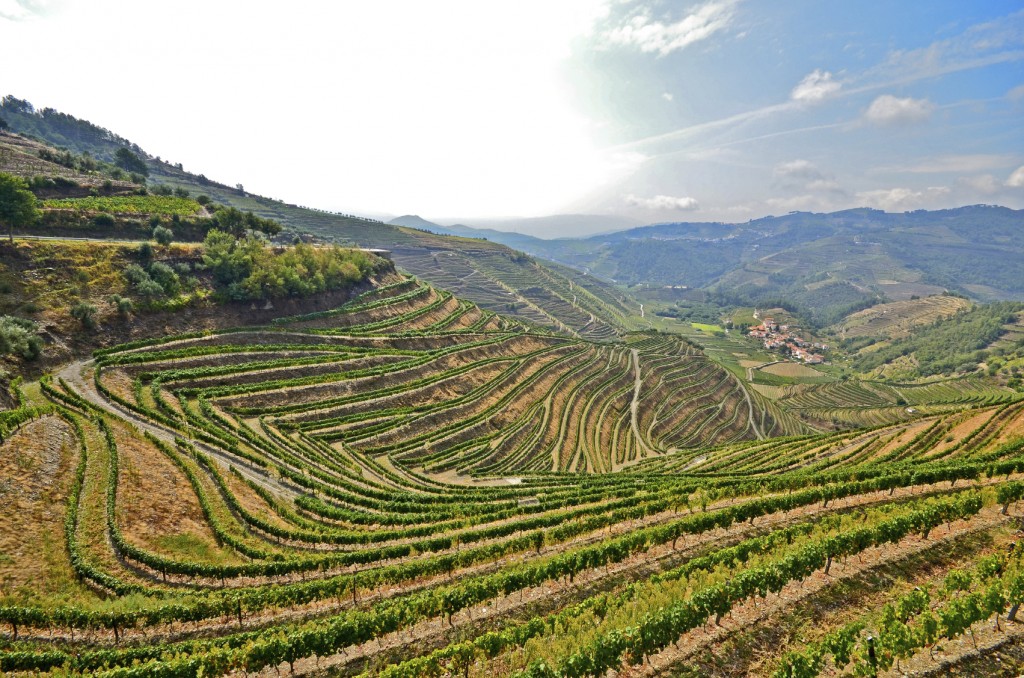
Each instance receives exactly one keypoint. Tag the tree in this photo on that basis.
(4, 125)
(17, 204)
(163, 235)
(130, 162)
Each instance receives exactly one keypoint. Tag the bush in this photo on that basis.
(123, 305)
(135, 274)
(103, 220)
(18, 337)
(163, 235)
(165, 276)
(146, 251)
(149, 288)
(162, 189)
(203, 200)
(85, 313)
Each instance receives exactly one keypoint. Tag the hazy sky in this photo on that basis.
(726, 109)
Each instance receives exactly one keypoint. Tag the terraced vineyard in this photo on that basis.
(409, 485)
(868, 403)
(548, 296)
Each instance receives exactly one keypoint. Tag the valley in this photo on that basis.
(244, 437)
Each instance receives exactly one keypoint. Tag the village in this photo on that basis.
(779, 338)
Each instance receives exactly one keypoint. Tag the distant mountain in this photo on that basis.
(557, 225)
(515, 240)
(822, 265)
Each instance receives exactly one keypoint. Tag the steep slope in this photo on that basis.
(598, 313)
(277, 499)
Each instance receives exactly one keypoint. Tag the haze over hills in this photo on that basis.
(823, 264)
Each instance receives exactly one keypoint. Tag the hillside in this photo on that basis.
(45, 281)
(296, 497)
(823, 265)
(598, 312)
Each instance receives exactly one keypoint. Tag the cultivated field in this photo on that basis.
(409, 485)
(896, 319)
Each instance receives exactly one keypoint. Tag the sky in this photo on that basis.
(724, 110)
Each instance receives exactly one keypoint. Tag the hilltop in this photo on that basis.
(502, 278)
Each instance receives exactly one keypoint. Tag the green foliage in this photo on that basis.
(124, 305)
(17, 203)
(145, 251)
(156, 280)
(103, 221)
(85, 313)
(695, 312)
(163, 235)
(18, 337)
(950, 344)
(237, 223)
(164, 205)
(248, 269)
(129, 161)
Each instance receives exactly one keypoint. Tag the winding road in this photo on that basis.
(73, 373)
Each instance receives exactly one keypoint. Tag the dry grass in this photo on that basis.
(157, 507)
(38, 463)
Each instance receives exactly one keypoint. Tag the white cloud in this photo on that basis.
(890, 110)
(830, 185)
(816, 86)
(663, 202)
(797, 169)
(984, 183)
(654, 36)
(1016, 94)
(805, 176)
(1016, 179)
(667, 96)
(19, 10)
(902, 198)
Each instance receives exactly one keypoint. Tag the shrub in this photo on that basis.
(203, 200)
(166, 277)
(149, 288)
(146, 251)
(103, 220)
(18, 337)
(85, 313)
(135, 273)
(123, 305)
(163, 235)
